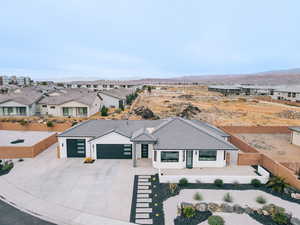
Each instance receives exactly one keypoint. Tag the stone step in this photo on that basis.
(143, 210)
(142, 205)
(144, 191)
(144, 200)
(140, 187)
(143, 195)
(143, 180)
(144, 176)
(144, 183)
(142, 216)
(144, 221)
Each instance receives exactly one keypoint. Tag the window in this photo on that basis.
(183, 156)
(289, 94)
(82, 111)
(210, 155)
(67, 111)
(155, 156)
(52, 107)
(169, 157)
(44, 106)
(294, 95)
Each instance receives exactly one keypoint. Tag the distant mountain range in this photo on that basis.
(276, 77)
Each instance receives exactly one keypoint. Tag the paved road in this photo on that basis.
(10, 215)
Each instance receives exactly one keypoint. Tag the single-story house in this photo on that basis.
(19, 102)
(290, 93)
(70, 103)
(115, 97)
(169, 143)
(295, 135)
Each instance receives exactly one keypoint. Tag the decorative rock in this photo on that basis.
(259, 211)
(265, 213)
(238, 209)
(249, 210)
(213, 207)
(226, 208)
(201, 207)
(295, 221)
(295, 195)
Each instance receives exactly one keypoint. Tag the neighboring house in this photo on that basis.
(243, 89)
(115, 97)
(287, 93)
(70, 103)
(295, 135)
(168, 143)
(20, 102)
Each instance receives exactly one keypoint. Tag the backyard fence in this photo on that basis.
(252, 156)
(35, 126)
(12, 152)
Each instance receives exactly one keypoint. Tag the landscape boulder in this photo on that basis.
(226, 208)
(145, 113)
(213, 207)
(201, 207)
(295, 195)
(295, 221)
(238, 209)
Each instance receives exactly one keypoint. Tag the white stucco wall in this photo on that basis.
(29, 111)
(109, 101)
(220, 161)
(295, 138)
(228, 179)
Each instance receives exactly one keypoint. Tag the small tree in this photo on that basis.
(183, 182)
(218, 182)
(255, 182)
(189, 212)
(50, 124)
(104, 111)
(215, 220)
(149, 89)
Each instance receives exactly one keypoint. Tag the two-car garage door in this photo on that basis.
(114, 151)
(77, 148)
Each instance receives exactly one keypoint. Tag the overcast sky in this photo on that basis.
(121, 39)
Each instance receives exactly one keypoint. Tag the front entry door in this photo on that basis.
(144, 150)
(189, 159)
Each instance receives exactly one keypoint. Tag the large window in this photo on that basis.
(67, 111)
(208, 155)
(81, 111)
(169, 157)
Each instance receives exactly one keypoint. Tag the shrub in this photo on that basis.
(74, 123)
(50, 124)
(215, 220)
(277, 184)
(261, 200)
(183, 182)
(218, 182)
(280, 218)
(23, 122)
(104, 111)
(227, 198)
(88, 160)
(255, 182)
(189, 212)
(7, 166)
(173, 188)
(198, 196)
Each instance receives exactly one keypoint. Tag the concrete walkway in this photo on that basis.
(48, 211)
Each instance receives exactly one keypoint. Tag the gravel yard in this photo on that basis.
(277, 146)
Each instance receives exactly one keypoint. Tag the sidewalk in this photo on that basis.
(48, 211)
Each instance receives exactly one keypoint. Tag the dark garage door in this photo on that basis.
(113, 151)
(75, 147)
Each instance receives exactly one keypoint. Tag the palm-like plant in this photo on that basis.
(277, 184)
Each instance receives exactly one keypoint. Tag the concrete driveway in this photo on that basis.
(103, 188)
